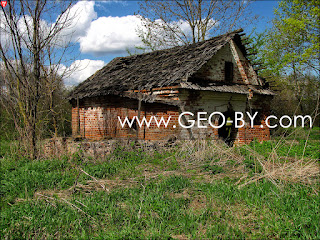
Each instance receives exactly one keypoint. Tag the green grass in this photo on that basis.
(292, 147)
(164, 199)
(214, 169)
(21, 178)
(298, 133)
(156, 210)
(288, 148)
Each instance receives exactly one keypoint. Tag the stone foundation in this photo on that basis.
(57, 147)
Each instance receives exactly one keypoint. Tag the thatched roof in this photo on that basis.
(154, 69)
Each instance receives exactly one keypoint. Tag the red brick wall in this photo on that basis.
(248, 134)
(99, 119)
(259, 132)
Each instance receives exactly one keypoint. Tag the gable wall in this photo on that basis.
(247, 73)
(214, 69)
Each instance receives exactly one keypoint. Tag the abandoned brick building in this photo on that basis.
(209, 76)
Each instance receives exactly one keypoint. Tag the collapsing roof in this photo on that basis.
(168, 67)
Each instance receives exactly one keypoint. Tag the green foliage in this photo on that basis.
(253, 165)
(21, 178)
(4, 147)
(298, 133)
(7, 128)
(293, 41)
(256, 41)
(288, 53)
(296, 94)
(175, 184)
(291, 213)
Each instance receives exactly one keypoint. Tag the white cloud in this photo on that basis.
(24, 28)
(80, 70)
(76, 21)
(80, 16)
(4, 29)
(98, 36)
(111, 35)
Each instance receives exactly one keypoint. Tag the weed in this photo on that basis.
(214, 169)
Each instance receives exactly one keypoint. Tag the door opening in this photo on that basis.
(228, 132)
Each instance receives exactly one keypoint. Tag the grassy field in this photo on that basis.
(198, 190)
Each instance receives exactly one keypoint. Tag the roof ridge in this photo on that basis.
(185, 45)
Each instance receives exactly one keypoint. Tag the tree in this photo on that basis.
(32, 48)
(289, 52)
(178, 22)
(292, 43)
(254, 43)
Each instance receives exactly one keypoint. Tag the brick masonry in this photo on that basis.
(98, 117)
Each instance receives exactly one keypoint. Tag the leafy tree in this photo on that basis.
(288, 54)
(292, 44)
(254, 43)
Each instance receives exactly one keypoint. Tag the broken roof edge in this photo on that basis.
(223, 88)
(182, 46)
(149, 97)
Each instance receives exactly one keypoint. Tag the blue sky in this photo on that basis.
(106, 28)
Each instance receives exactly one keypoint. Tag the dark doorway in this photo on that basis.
(227, 132)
